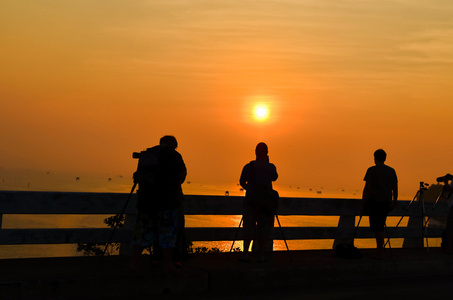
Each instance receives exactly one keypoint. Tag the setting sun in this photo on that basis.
(261, 112)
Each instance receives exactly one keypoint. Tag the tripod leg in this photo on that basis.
(424, 222)
(356, 228)
(407, 208)
(120, 217)
(404, 213)
(388, 240)
(388, 236)
(236, 235)
(424, 227)
(284, 239)
(281, 230)
(434, 206)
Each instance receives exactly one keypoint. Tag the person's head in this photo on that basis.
(380, 156)
(169, 141)
(261, 151)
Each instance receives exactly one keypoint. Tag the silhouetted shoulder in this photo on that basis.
(380, 171)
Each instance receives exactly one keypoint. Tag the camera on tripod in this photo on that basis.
(447, 177)
(423, 186)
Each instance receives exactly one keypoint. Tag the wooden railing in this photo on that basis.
(12, 202)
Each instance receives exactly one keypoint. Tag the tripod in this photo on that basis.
(441, 195)
(388, 239)
(420, 196)
(241, 222)
(118, 220)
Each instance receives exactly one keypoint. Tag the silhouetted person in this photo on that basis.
(257, 176)
(160, 173)
(448, 248)
(379, 196)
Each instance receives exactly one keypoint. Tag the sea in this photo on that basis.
(28, 180)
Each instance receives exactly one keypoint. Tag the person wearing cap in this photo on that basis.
(256, 176)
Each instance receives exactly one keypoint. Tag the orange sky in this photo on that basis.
(83, 84)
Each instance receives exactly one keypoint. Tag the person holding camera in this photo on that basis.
(256, 178)
(160, 173)
(448, 187)
(380, 195)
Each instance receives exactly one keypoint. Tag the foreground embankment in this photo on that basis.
(310, 274)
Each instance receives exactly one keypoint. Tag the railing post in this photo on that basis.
(414, 242)
(345, 222)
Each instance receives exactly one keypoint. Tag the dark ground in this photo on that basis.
(309, 274)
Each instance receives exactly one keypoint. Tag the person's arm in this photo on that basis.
(243, 180)
(274, 171)
(183, 172)
(182, 176)
(243, 183)
(181, 166)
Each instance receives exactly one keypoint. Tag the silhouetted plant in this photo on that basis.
(198, 250)
(97, 249)
(90, 249)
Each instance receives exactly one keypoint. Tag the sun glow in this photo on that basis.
(261, 112)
